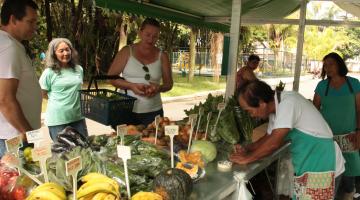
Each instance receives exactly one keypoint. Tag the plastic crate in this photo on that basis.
(106, 107)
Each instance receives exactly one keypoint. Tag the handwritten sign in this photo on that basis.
(13, 144)
(157, 122)
(201, 112)
(13, 161)
(124, 152)
(121, 131)
(171, 131)
(221, 106)
(34, 136)
(208, 118)
(41, 154)
(72, 167)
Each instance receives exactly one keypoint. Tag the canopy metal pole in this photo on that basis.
(300, 43)
(233, 47)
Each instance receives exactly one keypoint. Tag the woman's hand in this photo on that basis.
(139, 89)
(152, 89)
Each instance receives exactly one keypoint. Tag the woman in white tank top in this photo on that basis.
(143, 66)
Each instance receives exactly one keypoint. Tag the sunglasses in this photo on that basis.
(147, 75)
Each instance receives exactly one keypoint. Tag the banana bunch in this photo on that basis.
(98, 187)
(47, 191)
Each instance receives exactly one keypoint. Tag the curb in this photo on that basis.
(202, 95)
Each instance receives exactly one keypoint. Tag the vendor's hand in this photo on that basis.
(139, 88)
(239, 150)
(239, 159)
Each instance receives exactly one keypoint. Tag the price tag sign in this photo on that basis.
(201, 112)
(41, 154)
(13, 161)
(72, 167)
(221, 106)
(192, 118)
(13, 144)
(121, 130)
(34, 136)
(208, 118)
(124, 152)
(171, 131)
(157, 122)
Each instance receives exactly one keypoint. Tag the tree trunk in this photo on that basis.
(193, 34)
(49, 28)
(216, 48)
(122, 31)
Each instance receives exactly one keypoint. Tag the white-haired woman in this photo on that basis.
(60, 83)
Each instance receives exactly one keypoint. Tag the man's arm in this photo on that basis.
(10, 107)
(269, 144)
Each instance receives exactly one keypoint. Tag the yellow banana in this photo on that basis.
(88, 197)
(91, 176)
(102, 180)
(110, 197)
(44, 195)
(99, 196)
(96, 188)
(49, 185)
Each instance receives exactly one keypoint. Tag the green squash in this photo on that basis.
(173, 184)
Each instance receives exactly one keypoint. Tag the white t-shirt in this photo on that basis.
(14, 63)
(294, 111)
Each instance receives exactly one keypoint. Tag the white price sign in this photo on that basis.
(221, 106)
(34, 136)
(41, 154)
(73, 166)
(13, 144)
(157, 120)
(121, 131)
(171, 131)
(124, 152)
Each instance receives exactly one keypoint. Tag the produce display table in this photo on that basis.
(219, 185)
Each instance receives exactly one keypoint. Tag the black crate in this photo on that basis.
(106, 107)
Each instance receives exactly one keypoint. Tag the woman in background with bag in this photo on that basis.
(338, 99)
(60, 83)
(143, 66)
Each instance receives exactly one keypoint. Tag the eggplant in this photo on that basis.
(60, 148)
(74, 136)
(65, 140)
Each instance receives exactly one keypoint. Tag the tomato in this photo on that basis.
(18, 193)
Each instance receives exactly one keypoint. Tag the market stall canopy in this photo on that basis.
(350, 7)
(203, 13)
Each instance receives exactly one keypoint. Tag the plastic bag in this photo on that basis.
(11, 187)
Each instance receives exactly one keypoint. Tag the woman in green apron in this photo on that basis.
(338, 99)
(316, 158)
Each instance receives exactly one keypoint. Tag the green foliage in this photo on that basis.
(351, 48)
